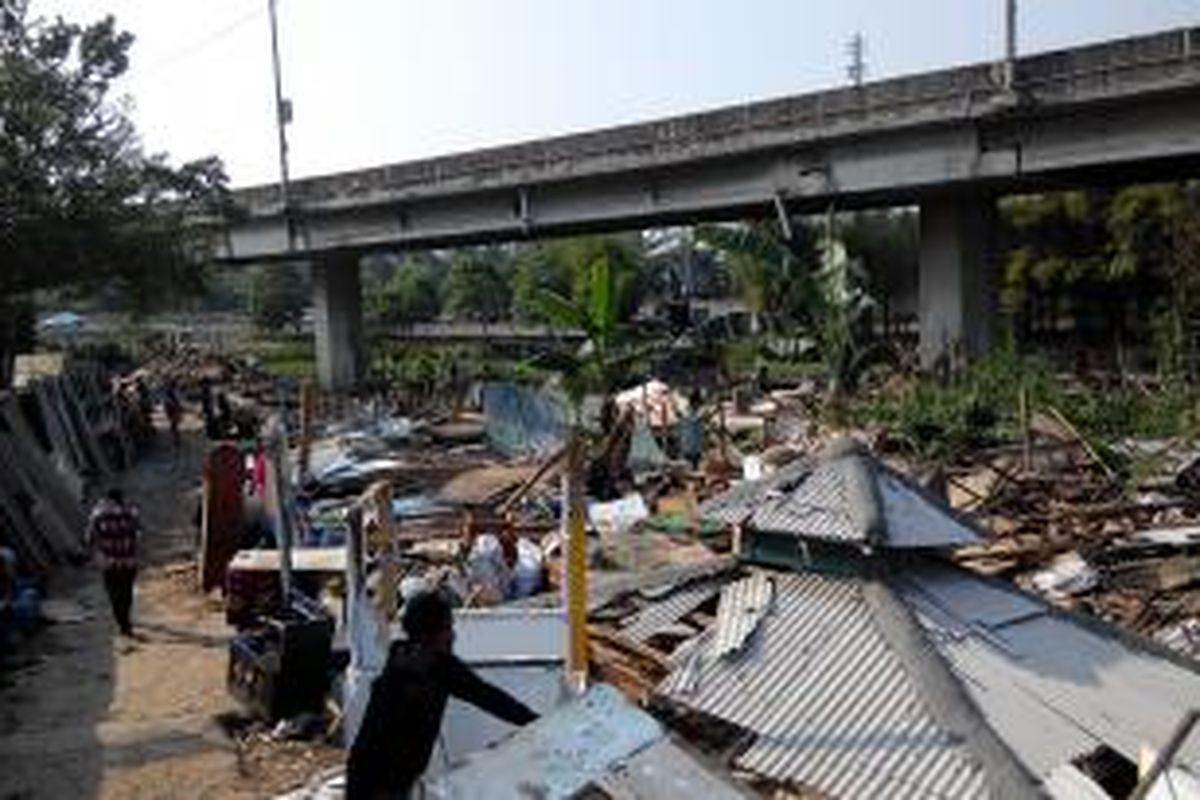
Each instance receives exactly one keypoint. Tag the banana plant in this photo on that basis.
(808, 283)
(594, 368)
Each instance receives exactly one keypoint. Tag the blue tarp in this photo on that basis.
(522, 420)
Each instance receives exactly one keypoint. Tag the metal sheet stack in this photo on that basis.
(59, 430)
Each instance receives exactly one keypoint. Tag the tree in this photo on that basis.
(536, 269)
(80, 202)
(477, 285)
(280, 293)
(595, 368)
(808, 283)
(409, 296)
(563, 267)
(775, 277)
(1120, 265)
(887, 244)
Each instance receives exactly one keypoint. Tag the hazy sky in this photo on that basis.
(375, 81)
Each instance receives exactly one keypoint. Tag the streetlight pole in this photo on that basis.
(1010, 43)
(283, 115)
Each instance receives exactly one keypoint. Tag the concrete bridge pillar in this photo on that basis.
(958, 290)
(337, 302)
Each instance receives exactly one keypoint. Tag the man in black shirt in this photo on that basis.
(408, 700)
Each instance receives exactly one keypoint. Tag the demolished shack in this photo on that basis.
(846, 656)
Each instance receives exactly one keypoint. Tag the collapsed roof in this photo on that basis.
(894, 673)
(845, 496)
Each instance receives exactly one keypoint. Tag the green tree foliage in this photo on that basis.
(774, 277)
(409, 296)
(280, 293)
(1116, 263)
(887, 244)
(538, 268)
(477, 285)
(809, 284)
(564, 267)
(596, 309)
(80, 202)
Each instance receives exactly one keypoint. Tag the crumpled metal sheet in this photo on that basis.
(663, 614)
(831, 705)
(557, 756)
(744, 604)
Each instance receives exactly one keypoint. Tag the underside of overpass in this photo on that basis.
(950, 142)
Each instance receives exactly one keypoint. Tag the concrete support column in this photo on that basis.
(957, 287)
(337, 301)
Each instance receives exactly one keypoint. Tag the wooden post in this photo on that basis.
(379, 501)
(308, 405)
(575, 565)
(1026, 434)
(278, 501)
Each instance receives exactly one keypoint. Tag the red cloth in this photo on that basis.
(113, 532)
(259, 475)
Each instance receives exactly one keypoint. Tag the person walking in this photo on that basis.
(408, 699)
(114, 529)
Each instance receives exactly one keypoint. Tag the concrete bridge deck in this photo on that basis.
(949, 141)
(1082, 114)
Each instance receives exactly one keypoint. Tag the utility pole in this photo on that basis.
(1010, 43)
(283, 116)
(856, 49)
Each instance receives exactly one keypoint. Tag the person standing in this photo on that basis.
(173, 409)
(408, 699)
(114, 529)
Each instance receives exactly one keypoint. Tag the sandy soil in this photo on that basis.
(85, 714)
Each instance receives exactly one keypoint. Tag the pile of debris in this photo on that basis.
(1064, 524)
(846, 656)
(838, 648)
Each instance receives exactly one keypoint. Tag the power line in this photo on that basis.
(201, 44)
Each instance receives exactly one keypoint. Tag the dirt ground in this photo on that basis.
(86, 714)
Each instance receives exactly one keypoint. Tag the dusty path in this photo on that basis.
(92, 716)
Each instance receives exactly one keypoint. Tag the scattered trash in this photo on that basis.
(1068, 574)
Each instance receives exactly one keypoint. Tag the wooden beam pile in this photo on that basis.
(39, 516)
(61, 429)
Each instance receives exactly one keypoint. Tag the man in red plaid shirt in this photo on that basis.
(113, 533)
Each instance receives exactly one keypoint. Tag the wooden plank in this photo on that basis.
(84, 424)
(48, 477)
(304, 559)
(61, 441)
(637, 649)
(59, 537)
(26, 539)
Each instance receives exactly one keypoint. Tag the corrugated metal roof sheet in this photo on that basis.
(1053, 688)
(743, 606)
(916, 520)
(833, 706)
(597, 738)
(738, 503)
(845, 496)
(660, 615)
(818, 507)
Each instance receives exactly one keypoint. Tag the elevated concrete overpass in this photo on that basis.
(949, 141)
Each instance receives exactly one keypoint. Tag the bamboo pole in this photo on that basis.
(575, 566)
